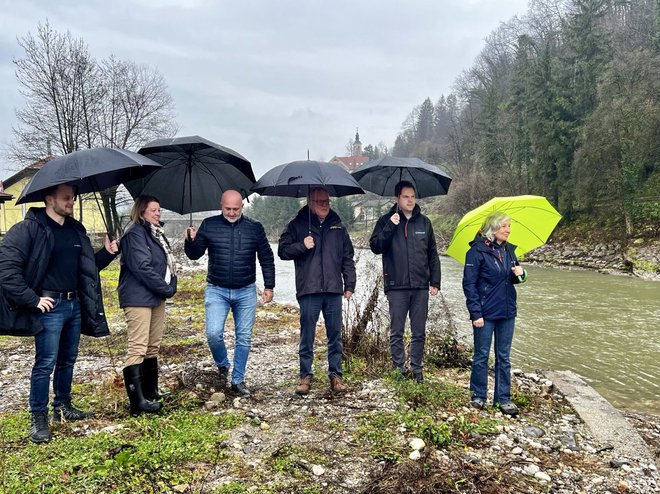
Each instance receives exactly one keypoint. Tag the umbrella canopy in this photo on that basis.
(532, 220)
(295, 179)
(89, 170)
(381, 176)
(194, 175)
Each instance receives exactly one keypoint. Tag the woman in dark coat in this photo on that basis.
(147, 277)
(491, 270)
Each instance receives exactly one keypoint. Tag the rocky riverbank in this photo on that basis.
(386, 435)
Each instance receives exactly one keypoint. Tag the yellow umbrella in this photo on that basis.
(532, 220)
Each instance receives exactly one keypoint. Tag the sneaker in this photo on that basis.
(508, 409)
(39, 431)
(404, 372)
(240, 389)
(69, 413)
(419, 377)
(478, 403)
(304, 386)
(337, 385)
(223, 372)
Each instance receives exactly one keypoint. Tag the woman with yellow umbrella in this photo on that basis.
(491, 270)
(490, 273)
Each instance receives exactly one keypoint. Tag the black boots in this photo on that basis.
(150, 379)
(133, 382)
(39, 431)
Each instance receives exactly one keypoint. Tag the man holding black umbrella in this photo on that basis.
(50, 288)
(322, 251)
(411, 270)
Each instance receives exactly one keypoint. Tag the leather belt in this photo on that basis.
(59, 295)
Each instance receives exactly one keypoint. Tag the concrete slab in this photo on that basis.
(607, 424)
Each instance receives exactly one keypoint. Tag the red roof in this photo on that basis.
(350, 162)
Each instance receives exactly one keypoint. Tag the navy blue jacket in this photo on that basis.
(410, 254)
(488, 280)
(232, 248)
(24, 256)
(329, 266)
(143, 267)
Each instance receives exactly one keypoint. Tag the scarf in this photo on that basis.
(159, 235)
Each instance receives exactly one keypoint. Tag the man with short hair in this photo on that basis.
(50, 288)
(318, 243)
(411, 270)
(232, 240)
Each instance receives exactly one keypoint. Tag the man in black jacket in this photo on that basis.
(232, 241)
(322, 252)
(411, 270)
(50, 288)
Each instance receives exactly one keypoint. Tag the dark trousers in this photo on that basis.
(416, 304)
(310, 309)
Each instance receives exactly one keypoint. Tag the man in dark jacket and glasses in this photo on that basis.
(318, 243)
(411, 270)
(50, 288)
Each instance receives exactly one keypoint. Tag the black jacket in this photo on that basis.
(232, 248)
(143, 266)
(24, 256)
(488, 280)
(410, 255)
(321, 269)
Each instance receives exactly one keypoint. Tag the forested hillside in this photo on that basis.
(562, 102)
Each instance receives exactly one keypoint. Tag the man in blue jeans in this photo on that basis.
(50, 288)
(322, 252)
(232, 240)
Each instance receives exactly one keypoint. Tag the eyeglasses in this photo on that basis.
(322, 202)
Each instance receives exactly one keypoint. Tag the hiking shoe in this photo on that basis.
(509, 409)
(304, 386)
(403, 372)
(223, 372)
(337, 386)
(240, 389)
(478, 403)
(419, 377)
(69, 413)
(39, 431)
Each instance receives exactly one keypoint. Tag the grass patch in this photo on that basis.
(150, 454)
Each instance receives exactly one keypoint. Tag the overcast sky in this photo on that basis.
(273, 78)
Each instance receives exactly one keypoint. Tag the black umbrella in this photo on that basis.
(194, 175)
(295, 179)
(381, 175)
(88, 170)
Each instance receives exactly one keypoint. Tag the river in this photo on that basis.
(603, 327)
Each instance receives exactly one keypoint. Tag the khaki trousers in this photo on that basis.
(145, 332)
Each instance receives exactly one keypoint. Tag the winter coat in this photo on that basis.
(488, 280)
(24, 256)
(232, 248)
(329, 266)
(143, 267)
(410, 254)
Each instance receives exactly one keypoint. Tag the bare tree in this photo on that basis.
(72, 102)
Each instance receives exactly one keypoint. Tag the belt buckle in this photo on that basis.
(70, 295)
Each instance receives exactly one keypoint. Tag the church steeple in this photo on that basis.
(357, 145)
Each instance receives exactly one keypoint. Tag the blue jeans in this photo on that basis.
(243, 304)
(503, 330)
(56, 348)
(310, 309)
